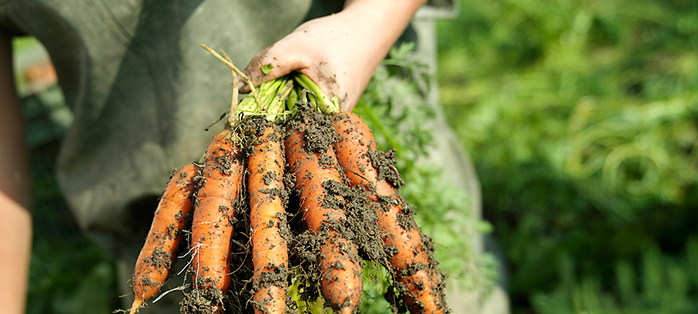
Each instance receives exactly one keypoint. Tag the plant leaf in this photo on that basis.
(266, 68)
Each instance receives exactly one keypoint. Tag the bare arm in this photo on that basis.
(339, 52)
(16, 230)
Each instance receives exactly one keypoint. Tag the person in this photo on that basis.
(141, 89)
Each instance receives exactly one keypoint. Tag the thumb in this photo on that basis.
(268, 65)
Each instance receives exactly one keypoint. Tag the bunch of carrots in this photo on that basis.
(288, 165)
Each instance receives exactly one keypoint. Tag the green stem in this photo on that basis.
(324, 103)
(267, 93)
(281, 94)
(377, 123)
(275, 108)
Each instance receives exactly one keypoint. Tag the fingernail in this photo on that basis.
(242, 85)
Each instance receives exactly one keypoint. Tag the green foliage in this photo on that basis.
(581, 119)
(266, 68)
(660, 285)
(68, 273)
(395, 109)
(60, 283)
(377, 281)
(444, 214)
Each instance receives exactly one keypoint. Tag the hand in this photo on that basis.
(338, 52)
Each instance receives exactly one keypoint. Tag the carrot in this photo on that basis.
(412, 263)
(160, 249)
(339, 264)
(214, 213)
(269, 230)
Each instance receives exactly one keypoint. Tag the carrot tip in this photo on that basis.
(136, 305)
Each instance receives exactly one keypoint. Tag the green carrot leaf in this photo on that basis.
(266, 68)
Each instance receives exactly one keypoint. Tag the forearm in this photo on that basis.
(381, 22)
(14, 255)
(359, 38)
(14, 191)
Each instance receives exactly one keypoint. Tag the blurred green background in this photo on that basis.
(581, 117)
(582, 120)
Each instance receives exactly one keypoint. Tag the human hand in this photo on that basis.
(338, 52)
(324, 50)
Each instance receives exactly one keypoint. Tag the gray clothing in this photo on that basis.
(141, 89)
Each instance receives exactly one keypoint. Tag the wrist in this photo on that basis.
(378, 23)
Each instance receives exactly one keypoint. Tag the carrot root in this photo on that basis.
(214, 215)
(339, 264)
(269, 231)
(412, 262)
(136, 305)
(158, 254)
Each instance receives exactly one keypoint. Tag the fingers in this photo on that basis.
(333, 66)
(268, 65)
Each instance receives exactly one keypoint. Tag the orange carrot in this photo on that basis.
(268, 226)
(339, 264)
(214, 213)
(412, 263)
(160, 249)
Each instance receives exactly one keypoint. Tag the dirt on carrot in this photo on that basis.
(201, 301)
(235, 298)
(309, 263)
(284, 199)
